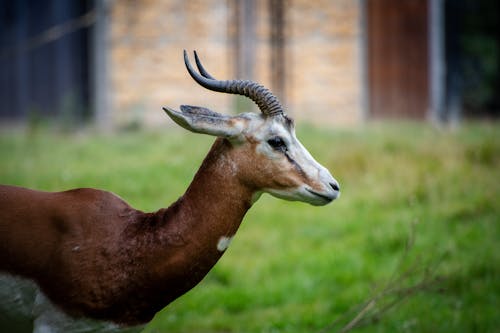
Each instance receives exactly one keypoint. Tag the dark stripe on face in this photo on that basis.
(296, 165)
(289, 123)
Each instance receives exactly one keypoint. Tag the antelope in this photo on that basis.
(85, 259)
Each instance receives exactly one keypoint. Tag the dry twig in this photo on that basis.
(399, 288)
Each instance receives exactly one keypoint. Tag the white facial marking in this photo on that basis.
(223, 243)
(319, 188)
(274, 129)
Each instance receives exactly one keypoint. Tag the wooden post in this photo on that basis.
(244, 46)
(277, 47)
(437, 76)
(100, 66)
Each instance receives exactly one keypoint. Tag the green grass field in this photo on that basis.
(417, 225)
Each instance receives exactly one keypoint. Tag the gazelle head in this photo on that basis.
(265, 151)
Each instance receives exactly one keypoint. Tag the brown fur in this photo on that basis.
(95, 256)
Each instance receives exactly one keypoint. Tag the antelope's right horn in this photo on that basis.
(268, 104)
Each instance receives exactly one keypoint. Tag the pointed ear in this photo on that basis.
(202, 120)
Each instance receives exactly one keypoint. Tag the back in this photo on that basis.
(36, 226)
(24, 229)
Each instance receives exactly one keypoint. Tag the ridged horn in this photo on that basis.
(268, 104)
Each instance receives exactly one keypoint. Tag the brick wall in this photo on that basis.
(326, 79)
(147, 70)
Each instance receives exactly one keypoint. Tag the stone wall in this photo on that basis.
(147, 71)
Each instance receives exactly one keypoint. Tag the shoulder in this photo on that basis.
(92, 193)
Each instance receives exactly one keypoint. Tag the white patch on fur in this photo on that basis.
(23, 304)
(229, 163)
(223, 243)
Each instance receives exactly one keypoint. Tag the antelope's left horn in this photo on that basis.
(268, 104)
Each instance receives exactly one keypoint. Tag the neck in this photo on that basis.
(195, 231)
(216, 201)
(214, 204)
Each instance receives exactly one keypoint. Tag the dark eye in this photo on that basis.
(277, 143)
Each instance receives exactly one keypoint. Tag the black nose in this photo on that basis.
(335, 186)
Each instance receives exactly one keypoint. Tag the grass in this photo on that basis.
(297, 268)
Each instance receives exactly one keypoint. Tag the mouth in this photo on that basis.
(327, 198)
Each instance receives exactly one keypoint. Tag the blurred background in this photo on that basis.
(333, 62)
